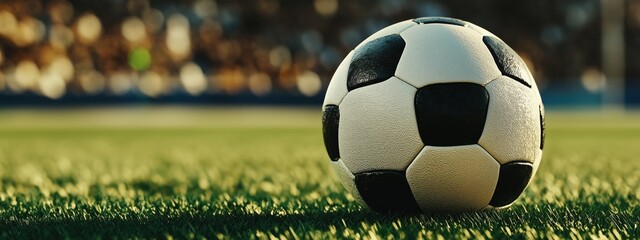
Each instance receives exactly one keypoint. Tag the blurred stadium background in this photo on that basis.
(61, 52)
(157, 118)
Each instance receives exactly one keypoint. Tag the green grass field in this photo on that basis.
(263, 173)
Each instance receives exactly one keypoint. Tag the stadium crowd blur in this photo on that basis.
(146, 49)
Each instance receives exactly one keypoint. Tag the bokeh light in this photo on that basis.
(133, 29)
(279, 56)
(51, 85)
(29, 31)
(8, 23)
(92, 82)
(593, 80)
(231, 80)
(120, 83)
(26, 75)
(61, 12)
(60, 36)
(153, 19)
(88, 28)
(260, 84)
(193, 79)
(326, 7)
(10, 81)
(61, 66)
(205, 8)
(139, 59)
(309, 83)
(151, 84)
(178, 37)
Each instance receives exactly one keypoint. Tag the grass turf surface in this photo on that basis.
(260, 173)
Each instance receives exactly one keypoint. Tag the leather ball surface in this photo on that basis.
(433, 115)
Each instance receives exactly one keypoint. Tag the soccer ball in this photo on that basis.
(433, 114)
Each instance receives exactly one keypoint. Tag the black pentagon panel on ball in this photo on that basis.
(376, 61)
(445, 20)
(451, 114)
(330, 123)
(509, 63)
(543, 133)
(386, 191)
(514, 177)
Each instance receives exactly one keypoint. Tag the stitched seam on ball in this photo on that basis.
(403, 81)
(415, 157)
(487, 151)
(407, 28)
(490, 81)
